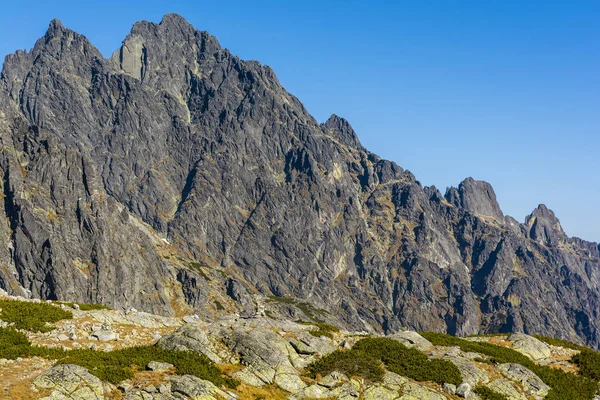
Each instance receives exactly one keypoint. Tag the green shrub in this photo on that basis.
(31, 316)
(409, 362)
(563, 385)
(114, 366)
(588, 362)
(368, 356)
(488, 394)
(351, 363)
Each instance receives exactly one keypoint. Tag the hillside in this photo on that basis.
(70, 351)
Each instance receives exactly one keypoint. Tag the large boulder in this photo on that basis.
(197, 389)
(506, 387)
(412, 339)
(531, 383)
(268, 356)
(68, 381)
(192, 337)
(529, 346)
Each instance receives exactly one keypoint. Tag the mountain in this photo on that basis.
(175, 178)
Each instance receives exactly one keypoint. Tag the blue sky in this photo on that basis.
(504, 91)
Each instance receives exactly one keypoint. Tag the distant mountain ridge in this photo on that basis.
(174, 177)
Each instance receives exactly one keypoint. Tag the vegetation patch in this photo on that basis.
(563, 385)
(409, 362)
(369, 356)
(352, 363)
(118, 365)
(588, 362)
(197, 267)
(488, 394)
(322, 329)
(31, 316)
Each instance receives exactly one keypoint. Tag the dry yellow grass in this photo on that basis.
(246, 392)
(16, 379)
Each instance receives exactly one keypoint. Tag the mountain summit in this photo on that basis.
(175, 178)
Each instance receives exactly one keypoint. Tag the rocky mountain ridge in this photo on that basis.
(175, 178)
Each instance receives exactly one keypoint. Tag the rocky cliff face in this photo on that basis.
(174, 177)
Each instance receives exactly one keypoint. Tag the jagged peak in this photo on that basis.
(341, 130)
(56, 25)
(174, 19)
(544, 213)
(544, 227)
(477, 197)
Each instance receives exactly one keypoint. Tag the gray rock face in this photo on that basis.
(174, 173)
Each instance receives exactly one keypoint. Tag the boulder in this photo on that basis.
(68, 381)
(463, 390)
(266, 354)
(104, 335)
(531, 383)
(412, 339)
(449, 388)
(505, 387)
(529, 346)
(197, 389)
(191, 337)
(380, 393)
(159, 366)
(414, 391)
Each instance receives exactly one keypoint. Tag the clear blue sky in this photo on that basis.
(504, 91)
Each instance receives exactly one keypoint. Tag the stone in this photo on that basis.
(505, 387)
(529, 346)
(68, 381)
(316, 392)
(196, 388)
(449, 388)
(380, 393)
(159, 366)
(333, 379)
(413, 391)
(412, 339)
(463, 390)
(531, 383)
(289, 382)
(471, 373)
(104, 335)
(191, 337)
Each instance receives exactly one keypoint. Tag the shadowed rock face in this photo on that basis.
(127, 180)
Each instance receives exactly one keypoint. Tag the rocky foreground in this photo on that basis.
(267, 357)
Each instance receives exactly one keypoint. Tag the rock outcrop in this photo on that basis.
(175, 178)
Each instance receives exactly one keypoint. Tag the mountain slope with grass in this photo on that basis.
(69, 351)
(175, 178)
